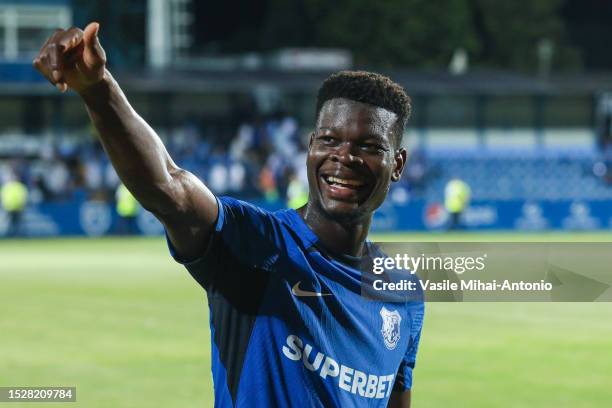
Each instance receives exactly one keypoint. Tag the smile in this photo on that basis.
(342, 182)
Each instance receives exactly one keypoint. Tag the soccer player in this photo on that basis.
(289, 325)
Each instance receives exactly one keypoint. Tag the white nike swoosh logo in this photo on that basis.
(300, 293)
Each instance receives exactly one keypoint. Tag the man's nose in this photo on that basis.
(346, 153)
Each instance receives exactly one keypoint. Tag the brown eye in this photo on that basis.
(371, 147)
(326, 139)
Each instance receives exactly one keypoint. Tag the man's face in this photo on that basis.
(352, 159)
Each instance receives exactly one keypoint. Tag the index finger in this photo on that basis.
(62, 42)
(70, 38)
(42, 54)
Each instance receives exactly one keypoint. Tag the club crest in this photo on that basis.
(390, 327)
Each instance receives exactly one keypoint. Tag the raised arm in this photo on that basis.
(74, 59)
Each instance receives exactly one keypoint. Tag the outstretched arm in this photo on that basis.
(75, 59)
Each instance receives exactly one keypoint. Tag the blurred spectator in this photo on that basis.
(416, 170)
(456, 199)
(127, 209)
(236, 177)
(297, 192)
(268, 184)
(255, 163)
(14, 198)
(604, 122)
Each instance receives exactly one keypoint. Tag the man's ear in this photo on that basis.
(310, 140)
(401, 156)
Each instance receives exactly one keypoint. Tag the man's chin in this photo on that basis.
(344, 211)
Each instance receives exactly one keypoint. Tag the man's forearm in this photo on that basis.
(136, 152)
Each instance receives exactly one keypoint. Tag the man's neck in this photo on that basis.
(340, 236)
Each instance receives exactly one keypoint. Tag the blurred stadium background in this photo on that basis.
(513, 98)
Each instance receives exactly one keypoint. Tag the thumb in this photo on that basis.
(90, 34)
(93, 52)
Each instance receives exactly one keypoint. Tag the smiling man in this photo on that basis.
(289, 324)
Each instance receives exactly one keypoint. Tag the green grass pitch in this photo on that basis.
(129, 328)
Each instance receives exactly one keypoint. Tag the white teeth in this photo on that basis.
(338, 180)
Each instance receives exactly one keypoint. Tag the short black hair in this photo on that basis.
(371, 88)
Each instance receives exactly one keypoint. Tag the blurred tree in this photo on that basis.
(509, 33)
(228, 27)
(589, 29)
(122, 28)
(292, 24)
(385, 33)
(406, 33)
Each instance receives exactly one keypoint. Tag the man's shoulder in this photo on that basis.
(281, 224)
(236, 204)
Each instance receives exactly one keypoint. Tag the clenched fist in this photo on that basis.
(72, 58)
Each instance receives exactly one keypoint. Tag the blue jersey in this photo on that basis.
(289, 324)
